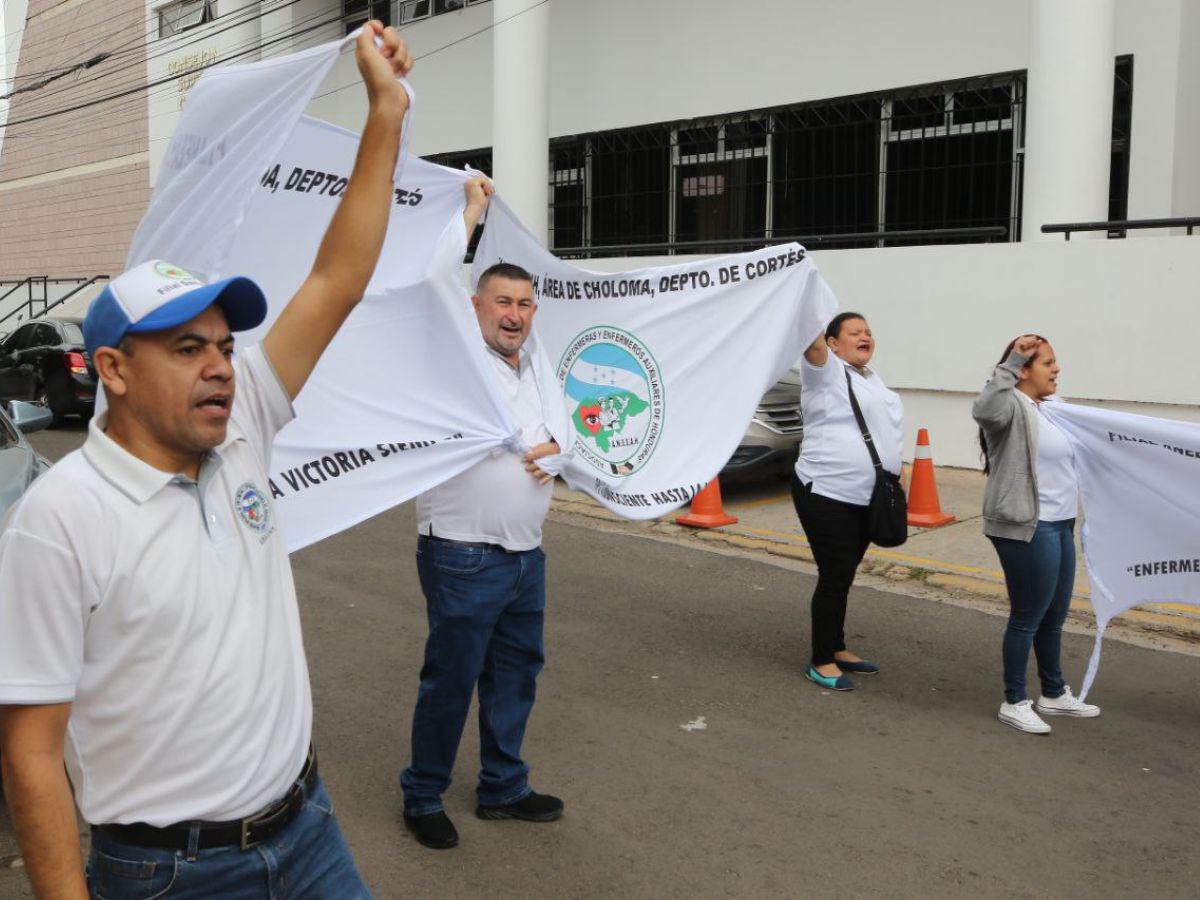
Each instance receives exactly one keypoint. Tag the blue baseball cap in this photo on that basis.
(156, 295)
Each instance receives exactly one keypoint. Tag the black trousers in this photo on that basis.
(837, 533)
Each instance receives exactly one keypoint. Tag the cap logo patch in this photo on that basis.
(166, 270)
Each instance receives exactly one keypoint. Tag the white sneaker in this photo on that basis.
(1022, 717)
(1067, 705)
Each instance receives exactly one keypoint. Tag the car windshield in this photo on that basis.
(73, 332)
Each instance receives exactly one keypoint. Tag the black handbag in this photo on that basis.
(887, 514)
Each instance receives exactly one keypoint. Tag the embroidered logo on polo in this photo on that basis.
(253, 508)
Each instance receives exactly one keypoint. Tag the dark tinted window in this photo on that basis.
(1122, 122)
(826, 176)
(24, 337)
(631, 186)
(356, 12)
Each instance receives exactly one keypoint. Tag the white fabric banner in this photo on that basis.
(404, 397)
(235, 122)
(661, 369)
(1139, 482)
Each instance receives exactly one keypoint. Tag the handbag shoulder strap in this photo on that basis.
(862, 424)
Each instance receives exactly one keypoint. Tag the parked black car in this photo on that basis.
(44, 362)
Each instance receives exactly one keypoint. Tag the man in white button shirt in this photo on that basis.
(482, 570)
(149, 631)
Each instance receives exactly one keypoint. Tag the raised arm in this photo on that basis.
(478, 190)
(39, 798)
(354, 239)
(817, 352)
(993, 408)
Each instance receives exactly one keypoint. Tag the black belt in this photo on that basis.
(244, 833)
(482, 545)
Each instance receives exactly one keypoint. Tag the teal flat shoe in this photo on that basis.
(862, 667)
(832, 682)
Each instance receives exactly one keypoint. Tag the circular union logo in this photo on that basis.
(614, 395)
(253, 507)
(166, 270)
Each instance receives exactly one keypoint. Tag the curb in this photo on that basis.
(1181, 623)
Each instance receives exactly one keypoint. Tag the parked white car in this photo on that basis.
(20, 464)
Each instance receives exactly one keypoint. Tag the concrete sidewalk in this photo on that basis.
(955, 557)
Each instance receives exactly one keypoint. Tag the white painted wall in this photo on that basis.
(625, 62)
(942, 316)
(453, 86)
(1068, 116)
(520, 108)
(1150, 31)
(4, 78)
(1186, 193)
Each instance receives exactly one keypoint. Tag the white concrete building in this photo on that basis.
(631, 131)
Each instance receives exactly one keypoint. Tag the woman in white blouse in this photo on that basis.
(834, 479)
(1029, 509)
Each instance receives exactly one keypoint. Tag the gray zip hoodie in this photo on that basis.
(1010, 500)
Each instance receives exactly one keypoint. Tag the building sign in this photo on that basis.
(188, 70)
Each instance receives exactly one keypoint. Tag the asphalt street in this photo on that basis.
(694, 759)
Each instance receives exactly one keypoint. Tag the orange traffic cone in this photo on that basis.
(924, 509)
(706, 511)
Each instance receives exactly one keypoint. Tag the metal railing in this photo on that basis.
(1118, 227)
(35, 284)
(880, 238)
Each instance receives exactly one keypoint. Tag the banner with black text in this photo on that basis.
(661, 369)
(404, 397)
(1139, 482)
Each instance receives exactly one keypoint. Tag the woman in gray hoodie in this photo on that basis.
(1029, 509)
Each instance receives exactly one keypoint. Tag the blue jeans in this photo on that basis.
(308, 859)
(1040, 576)
(486, 609)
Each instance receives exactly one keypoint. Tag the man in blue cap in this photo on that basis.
(149, 631)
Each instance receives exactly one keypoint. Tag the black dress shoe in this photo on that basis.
(433, 830)
(530, 808)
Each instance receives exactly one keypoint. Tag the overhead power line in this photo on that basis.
(170, 78)
(244, 52)
(78, 67)
(138, 49)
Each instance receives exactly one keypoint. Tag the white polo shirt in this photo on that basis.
(164, 610)
(1058, 485)
(496, 501)
(833, 454)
